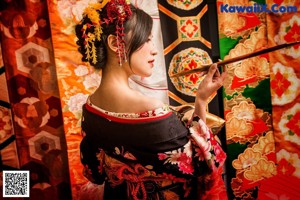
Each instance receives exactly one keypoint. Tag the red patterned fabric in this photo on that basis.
(261, 102)
(38, 142)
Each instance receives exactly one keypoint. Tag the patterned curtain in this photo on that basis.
(261, 101)
(190, 39)
(32, 138)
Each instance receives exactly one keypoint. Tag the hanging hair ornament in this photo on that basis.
(118, 11)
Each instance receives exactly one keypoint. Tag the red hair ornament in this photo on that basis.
(118, 11)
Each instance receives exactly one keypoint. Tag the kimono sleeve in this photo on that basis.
(206, 146)
(92, 160)
(200, 158)
(207, 150)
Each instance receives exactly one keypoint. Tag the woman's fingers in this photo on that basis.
(202, 74)
(217, 73)
(212, 71)
(218, 78)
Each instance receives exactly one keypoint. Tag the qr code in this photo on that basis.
(15, 183)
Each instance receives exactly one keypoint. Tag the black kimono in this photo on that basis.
(151, 155)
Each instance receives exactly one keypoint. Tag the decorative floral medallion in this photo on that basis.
(185, 60)
(189, 28)
(185, 4)
(289, 124)
(289, 31)
(284, 84)
(289, 163)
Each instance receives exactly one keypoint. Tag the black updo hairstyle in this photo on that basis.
(137, 30)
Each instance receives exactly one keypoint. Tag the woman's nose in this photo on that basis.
(154, 50)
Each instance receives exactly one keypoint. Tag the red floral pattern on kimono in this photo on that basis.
(151, 157)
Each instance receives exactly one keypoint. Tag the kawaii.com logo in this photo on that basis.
(257, 8)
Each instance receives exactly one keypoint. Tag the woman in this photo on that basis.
(135, 144)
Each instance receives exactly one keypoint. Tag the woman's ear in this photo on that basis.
(112, 42)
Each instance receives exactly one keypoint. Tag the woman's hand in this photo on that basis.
(209, 85)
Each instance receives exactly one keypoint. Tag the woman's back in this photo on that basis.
(120, 99)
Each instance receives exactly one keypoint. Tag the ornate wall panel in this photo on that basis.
(189, 30)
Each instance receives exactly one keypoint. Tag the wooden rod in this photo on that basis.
(231, 60)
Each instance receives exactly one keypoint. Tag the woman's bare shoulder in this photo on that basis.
(153, 103)
(146, 103)
(130, 102)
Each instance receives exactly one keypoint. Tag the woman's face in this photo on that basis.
(142, 60)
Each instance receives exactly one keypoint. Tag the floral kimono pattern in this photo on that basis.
(151, 156)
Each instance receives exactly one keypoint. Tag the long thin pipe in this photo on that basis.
(239, 58)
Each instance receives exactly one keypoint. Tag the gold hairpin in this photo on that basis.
(231, 60)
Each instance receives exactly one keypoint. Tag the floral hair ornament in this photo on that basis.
(118, 11)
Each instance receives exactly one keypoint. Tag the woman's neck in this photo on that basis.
(114, 92)
(116, 75)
